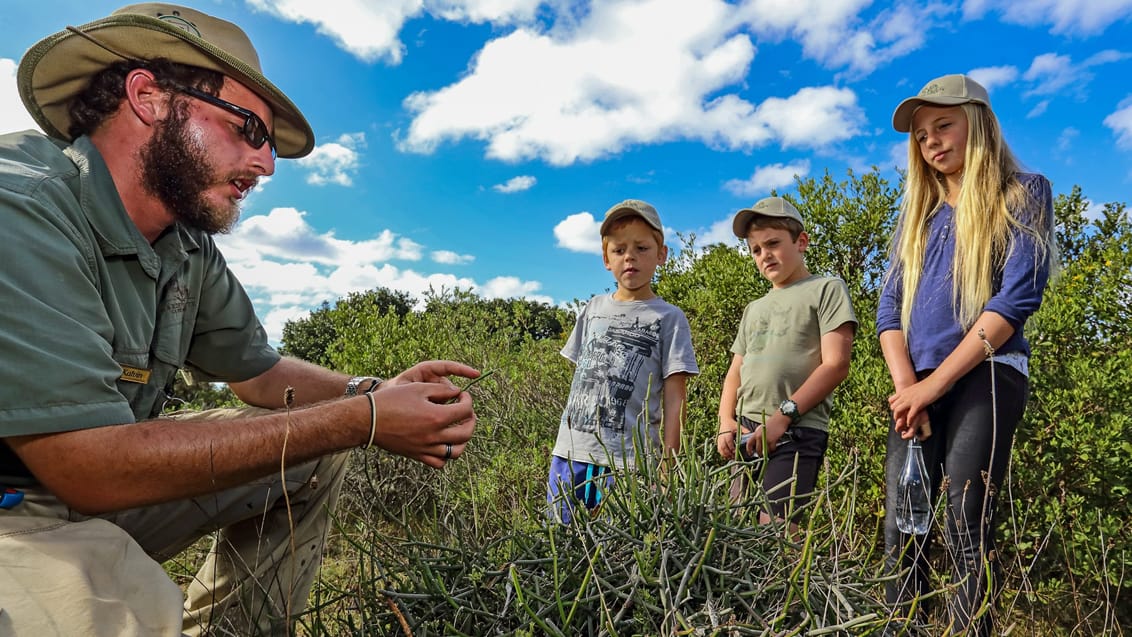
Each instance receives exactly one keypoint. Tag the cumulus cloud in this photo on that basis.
(13, 115)
(334, 163)
(898, 155)
(579, 232)
(1067, 17)
(447, 257)
(286, 266)
(611, 83)
(285, 234)
(1052, 74)
(767, 178)
(493, 11)
(371, 30)
(991, 77)
(516, 184)
(1120, 121)
(509, 287)
(719, 232)
(367, 30)
(834, 33)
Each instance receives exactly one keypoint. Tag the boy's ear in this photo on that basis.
(803, 241)
(662, 253)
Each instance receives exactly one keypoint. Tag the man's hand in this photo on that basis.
(424, 416)
(432, 372)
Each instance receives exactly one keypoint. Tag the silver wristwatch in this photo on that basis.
(356, 382)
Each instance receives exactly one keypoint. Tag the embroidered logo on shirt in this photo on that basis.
(177, 298)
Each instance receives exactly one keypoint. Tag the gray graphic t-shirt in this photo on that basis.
(623, 351)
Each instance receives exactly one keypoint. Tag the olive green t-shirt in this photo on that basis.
(779, 339)
(95, 322)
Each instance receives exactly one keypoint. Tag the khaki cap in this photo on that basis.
(768, 207)
(60, 66)
(632, 208)
(949, 90)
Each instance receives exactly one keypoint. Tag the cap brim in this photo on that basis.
(60, 66)
(741, 222)
(902, 116)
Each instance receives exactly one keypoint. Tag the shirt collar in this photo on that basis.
(117, 235)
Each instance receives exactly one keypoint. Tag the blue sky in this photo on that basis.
(476, 143)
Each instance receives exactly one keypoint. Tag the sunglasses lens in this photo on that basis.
(255, 131)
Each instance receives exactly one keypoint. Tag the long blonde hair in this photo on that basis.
(989, 196)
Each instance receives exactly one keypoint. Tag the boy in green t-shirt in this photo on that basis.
(792, 349)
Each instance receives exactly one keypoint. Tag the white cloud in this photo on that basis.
(579, 232)
(1069, 17)
(1120, 121)
(447, 257)
(767, 178)
(493, 11)
(284, 234)
(612, 83)
(1038, 109)
(285, 265)
(516, 184)
(13, 115)
(1066, 138)
(833, 32)
(368, 30)
(992, 77)
(719, 232)
(1057, 75)
(898, 155)
(509, 287)
(334, 163)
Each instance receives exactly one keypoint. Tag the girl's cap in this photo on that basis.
(949, 90)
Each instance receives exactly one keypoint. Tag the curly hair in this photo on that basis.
(101, 97)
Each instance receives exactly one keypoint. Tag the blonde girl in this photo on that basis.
(969, 263)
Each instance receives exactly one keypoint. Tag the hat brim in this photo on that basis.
(902, 116)
(60, 66)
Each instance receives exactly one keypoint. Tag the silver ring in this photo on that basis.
(447, 451)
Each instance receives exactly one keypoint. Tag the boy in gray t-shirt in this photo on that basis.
(792, 349)
(633, 354)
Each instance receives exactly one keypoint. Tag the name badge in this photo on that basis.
(134, 375)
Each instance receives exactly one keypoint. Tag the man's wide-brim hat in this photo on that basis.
(60, 66)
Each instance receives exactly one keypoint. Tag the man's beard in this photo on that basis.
(177, 171)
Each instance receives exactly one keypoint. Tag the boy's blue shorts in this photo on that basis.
(585, 484)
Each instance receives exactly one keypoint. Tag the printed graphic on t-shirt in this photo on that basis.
(608, 368)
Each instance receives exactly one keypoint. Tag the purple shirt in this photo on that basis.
(934, 331)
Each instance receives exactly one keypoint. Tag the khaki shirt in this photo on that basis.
(94, 321)
(779, 339)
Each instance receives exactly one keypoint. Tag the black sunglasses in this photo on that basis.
(254, 130)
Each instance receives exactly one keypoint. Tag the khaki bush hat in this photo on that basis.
(949, 90)
(632, 208)
(768, 207)
(60, 66)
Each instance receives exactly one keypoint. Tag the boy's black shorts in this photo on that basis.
(798, 455)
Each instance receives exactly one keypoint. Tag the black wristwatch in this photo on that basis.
(789, 408)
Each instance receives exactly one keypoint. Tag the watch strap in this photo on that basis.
(356, 383)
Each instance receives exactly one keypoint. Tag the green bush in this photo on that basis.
(466, 551)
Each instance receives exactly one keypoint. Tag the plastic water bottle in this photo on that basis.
(913, 506)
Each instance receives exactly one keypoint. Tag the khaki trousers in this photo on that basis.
(63, 573)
